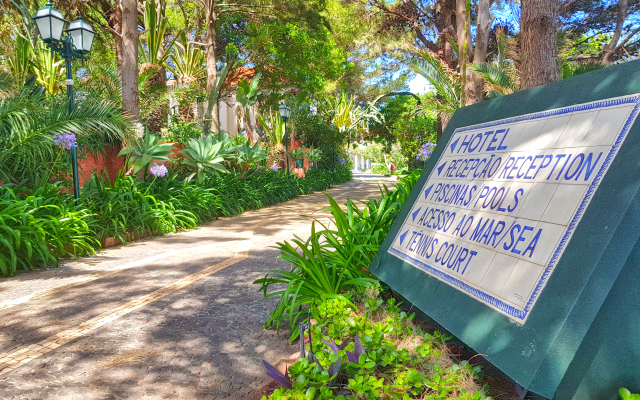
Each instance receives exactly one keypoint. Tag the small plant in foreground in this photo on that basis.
(626, 394)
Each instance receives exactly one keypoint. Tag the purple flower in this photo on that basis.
(66, 141)
(158, 171)
(274, 168)
(342, 161)
(425, 153)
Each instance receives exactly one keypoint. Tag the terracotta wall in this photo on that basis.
(109, 161)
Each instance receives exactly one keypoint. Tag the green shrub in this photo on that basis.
(366, 347)
(380, 169)
(333, 259)
(181, 132)
(37, 229)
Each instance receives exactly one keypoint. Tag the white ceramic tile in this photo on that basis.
(585, 163)
(478, 265)
(521, 282)
(563, 204)
(549, 239)
(552, 131)
(530, 135)
(537, 200)
(576, 130)
(607, 126)
(498, 273)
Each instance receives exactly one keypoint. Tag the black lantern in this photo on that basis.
(285, 112)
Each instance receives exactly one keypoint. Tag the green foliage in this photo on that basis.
(625, 394)
(29, 120)
(316, 132)
(206, 155)
(381, 354)
(181, 132)
(290, 54)
(249, 156)
(38, 228)
(443, 80)
(149, 150)
(380, 169)
(188, 61)
(296, 154)
(214, 93)
(331, 260)
(569, 69)
(273, 126)
(155, 29)
(314, 155)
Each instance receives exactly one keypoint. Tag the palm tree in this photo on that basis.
(445, 82)
(501, 77)
(29, 119)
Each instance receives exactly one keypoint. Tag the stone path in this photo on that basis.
(173, 317)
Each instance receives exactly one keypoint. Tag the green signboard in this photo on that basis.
(523, 228)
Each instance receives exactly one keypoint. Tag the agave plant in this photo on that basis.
(205, 155)
(146, 151)
(273, 126)
(248, 155)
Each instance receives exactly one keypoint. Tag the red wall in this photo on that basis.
(109, 161)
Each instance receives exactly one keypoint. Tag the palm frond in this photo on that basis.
(443, 79)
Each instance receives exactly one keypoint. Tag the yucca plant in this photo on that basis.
(155, 54)
(49, 71)
(147, 151)
(188, 61)
(247, 96)
(205, 155)
(20, 64)
(273, 126)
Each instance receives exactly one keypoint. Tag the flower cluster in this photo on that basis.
(274, 168)
(66, 141)
(342, 161)
(426, 151)
(158, 171)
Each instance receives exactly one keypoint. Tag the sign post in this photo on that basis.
(521, 226)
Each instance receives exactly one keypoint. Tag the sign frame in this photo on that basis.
(541, 354)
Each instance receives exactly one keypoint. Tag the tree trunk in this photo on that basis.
(539, 49)
(116, 25)
(461, 19)
(610, 48)
(212, 68)
(475, 84)
(130, 99)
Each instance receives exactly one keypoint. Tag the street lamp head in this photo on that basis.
(81, 35)
(285, 112)
(50, 23)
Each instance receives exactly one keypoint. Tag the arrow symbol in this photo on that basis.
(454, 144)
(426, 192)
(415, 214)
(440, 168)
(403, 236)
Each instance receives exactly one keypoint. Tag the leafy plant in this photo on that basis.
(188, 62)
(273, 126)
(155, 30)
(205, 155)
(247, 97)
(625, 394)
(296, 154)
(48, 70)
(144, 152)
(314, 155)
(443, 79)
(248, 155)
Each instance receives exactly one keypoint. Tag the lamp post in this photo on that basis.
(285, 114)
(73, 45)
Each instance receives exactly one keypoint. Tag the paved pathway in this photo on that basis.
(173, 317)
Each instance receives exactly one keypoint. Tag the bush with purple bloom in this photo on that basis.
(342, 161)
(426, 151)
(158, 171)
(66, 141)
(274, 168)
